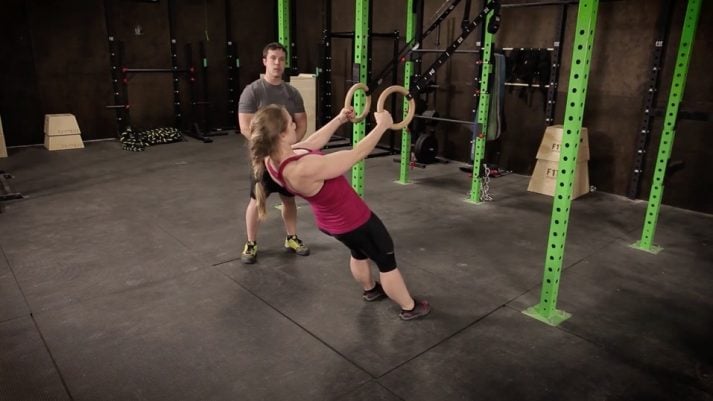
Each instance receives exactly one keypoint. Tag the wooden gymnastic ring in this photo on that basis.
(350, 95)
(411, 105)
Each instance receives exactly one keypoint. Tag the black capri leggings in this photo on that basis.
(371, 241)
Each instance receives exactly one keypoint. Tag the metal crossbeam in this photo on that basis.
(425, 79)
(411, 46)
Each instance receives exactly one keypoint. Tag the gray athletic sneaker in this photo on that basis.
(374, 294)
(421, 308)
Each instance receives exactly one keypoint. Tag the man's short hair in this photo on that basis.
(273, 46)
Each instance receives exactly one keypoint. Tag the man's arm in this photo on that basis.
(247, 106)
(244, 120)
(301, 123)
(299, 115)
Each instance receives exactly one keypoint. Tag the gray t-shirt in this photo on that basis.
(261, 93)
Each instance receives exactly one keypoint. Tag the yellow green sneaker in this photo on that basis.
(249, 255)
(294, 244)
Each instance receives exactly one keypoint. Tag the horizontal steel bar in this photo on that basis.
(549, 49)
(688, 115)
(442, 50)
(391, 35)
(539, 3)
(135, 70)
(546, 3)
(450, 120)
(522, 84)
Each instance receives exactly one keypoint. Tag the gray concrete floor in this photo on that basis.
(120, 279)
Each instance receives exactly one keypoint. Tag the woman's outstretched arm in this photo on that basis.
(320, 138)
(337, 163)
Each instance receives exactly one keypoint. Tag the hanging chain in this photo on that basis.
(485, 195)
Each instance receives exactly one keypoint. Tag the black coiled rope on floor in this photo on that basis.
(139, 141)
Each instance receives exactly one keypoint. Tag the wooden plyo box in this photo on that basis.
(544, 177)
(306, 84)
(552, 142)
(62, 132)
(61, 124)
(63, 142)
(3, 149)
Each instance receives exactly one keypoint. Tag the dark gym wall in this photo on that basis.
(621, 60)
(142, 31)
(308, 33)
(203, 22)
(386, 17)
(254, 25)
(56, 60)
(692, 186)
(20, 107)
(71, 63)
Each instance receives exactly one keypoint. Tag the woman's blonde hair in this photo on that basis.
(265, 129)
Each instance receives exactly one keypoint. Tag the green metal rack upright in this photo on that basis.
(483, 112)
(408, 72)
(361, 52)
(284, 29)
(546, 311)
(678, 84)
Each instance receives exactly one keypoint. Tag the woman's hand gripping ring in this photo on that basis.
(411, 105)
(350, 95)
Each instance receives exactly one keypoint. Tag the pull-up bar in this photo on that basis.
(465, 51)
(539, 3)
(169, 70)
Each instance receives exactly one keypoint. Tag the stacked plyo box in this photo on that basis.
(306, 85)
(62, 132)
(3, 149)
(544, 177)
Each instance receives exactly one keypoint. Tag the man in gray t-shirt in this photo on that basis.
(271, 89)
(261, 93)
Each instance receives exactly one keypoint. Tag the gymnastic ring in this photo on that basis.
(350, 95)
(411, 105)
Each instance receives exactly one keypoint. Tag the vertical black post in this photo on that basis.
(233, 65)
(664, 25)
(394, 81)
(476, 92)
(555, 67)
(466, 16)
(370, 43)
(124, 91)
(192, 91)
(205, 104)
(370, 53)
(324, 81)
(174, 64)
(117, 77)
(295, 69)
(416, 56)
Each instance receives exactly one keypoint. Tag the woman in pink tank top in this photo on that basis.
(338, 210)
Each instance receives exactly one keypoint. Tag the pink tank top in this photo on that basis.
(337, 208)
